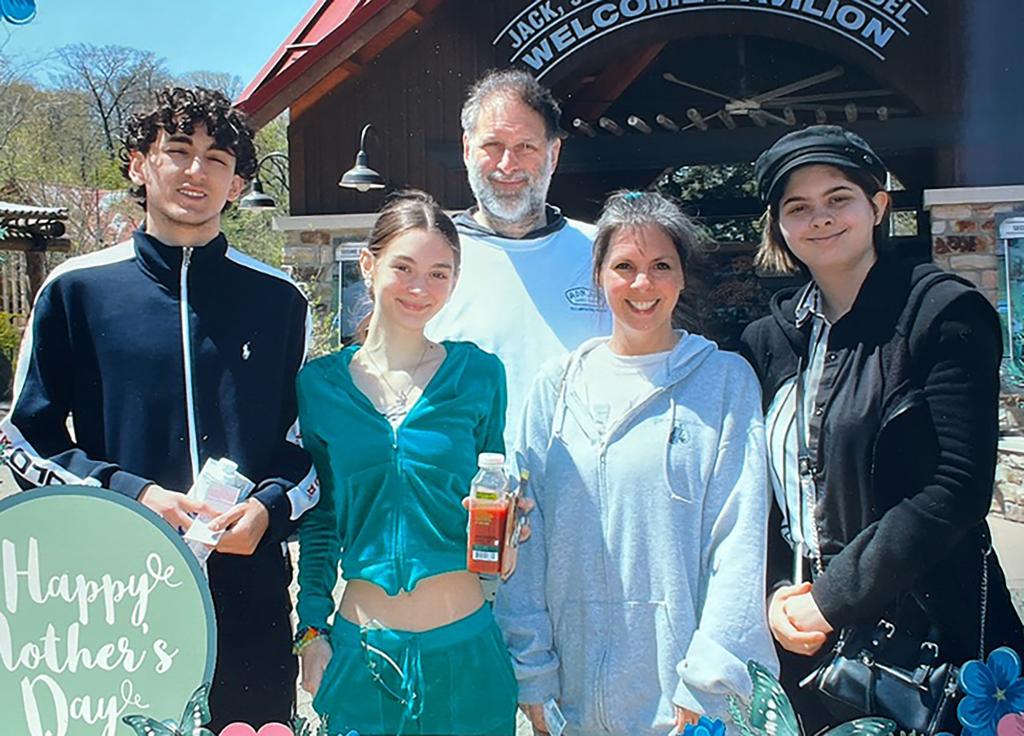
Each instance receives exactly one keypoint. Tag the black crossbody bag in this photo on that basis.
(877, 669)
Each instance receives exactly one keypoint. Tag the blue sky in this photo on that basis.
(235, 36)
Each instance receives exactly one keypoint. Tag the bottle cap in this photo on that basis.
(490, 459)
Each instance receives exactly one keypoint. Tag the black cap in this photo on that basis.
(816, 144)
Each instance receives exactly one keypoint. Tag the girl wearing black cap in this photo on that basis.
(880, 385)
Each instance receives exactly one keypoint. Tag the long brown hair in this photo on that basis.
(405, 211)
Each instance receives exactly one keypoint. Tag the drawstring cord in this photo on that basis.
(667, 465)
(561, 406)
(412, 683)
(410, 691)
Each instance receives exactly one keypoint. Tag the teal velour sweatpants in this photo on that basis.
(456, 679)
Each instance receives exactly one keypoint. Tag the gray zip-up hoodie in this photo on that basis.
(643, 582)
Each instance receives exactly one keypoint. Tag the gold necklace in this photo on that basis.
(399, 406)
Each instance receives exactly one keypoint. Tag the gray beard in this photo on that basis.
(519, 210)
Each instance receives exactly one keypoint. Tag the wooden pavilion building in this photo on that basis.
(651, 86)
(647, 84)
(648, 87)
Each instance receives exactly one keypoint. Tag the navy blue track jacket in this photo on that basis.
(164, 357)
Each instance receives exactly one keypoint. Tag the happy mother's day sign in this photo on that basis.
(103, 613)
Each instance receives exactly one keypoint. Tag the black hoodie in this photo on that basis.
(905, 447)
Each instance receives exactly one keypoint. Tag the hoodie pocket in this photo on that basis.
(685, 453)
(639, 674)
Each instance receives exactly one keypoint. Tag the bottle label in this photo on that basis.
(485, 553)
(486, 533)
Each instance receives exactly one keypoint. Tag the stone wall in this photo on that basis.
(309, 258)
(965, 241)
(314, 245)
(1008, 499)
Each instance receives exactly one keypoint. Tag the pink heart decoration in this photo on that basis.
(244, 729)
(1011, 725)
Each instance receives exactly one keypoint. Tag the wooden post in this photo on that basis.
(35, 265)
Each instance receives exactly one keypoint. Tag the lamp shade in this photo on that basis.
(257, 199)
(361, 177)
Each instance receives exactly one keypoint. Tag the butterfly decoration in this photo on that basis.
(197, 713)
(302, 727)
(771, 714)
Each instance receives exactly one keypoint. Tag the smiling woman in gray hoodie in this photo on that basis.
(640, 596)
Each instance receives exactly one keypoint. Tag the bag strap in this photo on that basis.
(805, 475)
(984, 598)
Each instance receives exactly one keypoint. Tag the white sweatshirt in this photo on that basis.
(526, 300)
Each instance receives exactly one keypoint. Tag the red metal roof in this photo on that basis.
(325, 26)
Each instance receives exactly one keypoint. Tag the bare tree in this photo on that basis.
(16, 94)
(230, 84)
(116, 79)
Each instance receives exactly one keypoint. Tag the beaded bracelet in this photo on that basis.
(306, 636)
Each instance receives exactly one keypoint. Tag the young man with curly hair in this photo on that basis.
(169, 349)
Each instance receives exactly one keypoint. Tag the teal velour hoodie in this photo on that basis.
(391, 498)
(643, 582)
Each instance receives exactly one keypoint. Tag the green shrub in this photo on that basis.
(10, 335)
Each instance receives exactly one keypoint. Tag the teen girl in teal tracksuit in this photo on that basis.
(394, 426)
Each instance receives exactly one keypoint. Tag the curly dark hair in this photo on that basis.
(182, 109)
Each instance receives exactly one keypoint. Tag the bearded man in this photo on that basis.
(525, 292)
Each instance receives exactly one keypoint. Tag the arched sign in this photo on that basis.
(547, 32)
(104, 613)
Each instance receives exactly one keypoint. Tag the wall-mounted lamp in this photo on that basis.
(361, 177)
(257, 199)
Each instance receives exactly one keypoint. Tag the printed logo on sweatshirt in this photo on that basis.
(679, 435)
(24, 465)
(585, 298)
(246, 350)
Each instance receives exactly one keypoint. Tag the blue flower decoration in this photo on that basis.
(704, 727)
(992, 690)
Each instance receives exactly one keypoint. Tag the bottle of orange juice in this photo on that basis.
(488, 512)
